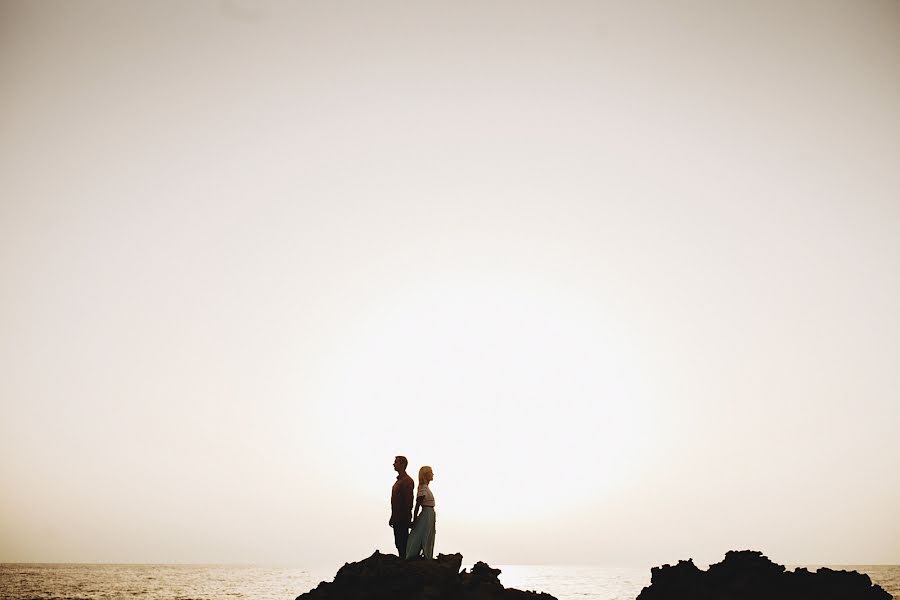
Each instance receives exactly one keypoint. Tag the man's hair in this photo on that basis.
(403, 461)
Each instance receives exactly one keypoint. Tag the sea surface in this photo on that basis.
(216, 582)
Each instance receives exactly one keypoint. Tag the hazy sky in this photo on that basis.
(627, 275)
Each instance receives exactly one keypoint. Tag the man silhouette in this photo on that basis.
(401, 505)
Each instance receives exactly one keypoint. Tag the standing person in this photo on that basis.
(401, 505)
(421, 540)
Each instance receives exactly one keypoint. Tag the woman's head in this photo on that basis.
(425, 475)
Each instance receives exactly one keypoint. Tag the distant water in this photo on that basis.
(217, 582)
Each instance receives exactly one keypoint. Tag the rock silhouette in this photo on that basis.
(747, 575)
(387, 577)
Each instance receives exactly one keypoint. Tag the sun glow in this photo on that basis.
(442, 372)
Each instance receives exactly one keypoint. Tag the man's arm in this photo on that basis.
(394, 499)
(408, 497)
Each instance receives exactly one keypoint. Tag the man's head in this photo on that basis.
(400, 463)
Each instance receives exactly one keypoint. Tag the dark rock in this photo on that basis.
(386, 577)
(747, 575)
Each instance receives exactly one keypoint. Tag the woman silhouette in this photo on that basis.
(421, 538)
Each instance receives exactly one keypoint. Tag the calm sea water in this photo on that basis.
(215, 582)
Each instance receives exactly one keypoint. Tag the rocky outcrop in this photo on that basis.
(749, 575)
(386, 577)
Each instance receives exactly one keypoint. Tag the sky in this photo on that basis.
(626, 275)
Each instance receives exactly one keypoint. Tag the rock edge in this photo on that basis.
(748, 574)
(387, 577)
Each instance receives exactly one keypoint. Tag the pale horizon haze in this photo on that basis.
(626, 275)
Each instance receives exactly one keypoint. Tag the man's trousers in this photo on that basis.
(401, 535)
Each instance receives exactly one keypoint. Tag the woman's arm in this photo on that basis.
(418, 507)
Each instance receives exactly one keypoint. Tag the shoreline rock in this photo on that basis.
(742, 575)
(387, 577)
(748, 574)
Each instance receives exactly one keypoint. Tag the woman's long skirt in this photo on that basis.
(421, 538)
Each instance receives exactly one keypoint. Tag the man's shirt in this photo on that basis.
(402, 499)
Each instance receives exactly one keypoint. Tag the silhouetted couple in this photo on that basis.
(419, 542)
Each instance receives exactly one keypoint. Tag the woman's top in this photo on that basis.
(428, 499)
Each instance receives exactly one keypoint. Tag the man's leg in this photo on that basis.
(404, 538)
(401, 535)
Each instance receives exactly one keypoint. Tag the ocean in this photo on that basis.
(216, 582)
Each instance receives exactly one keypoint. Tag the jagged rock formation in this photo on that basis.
(747, 575)
(386, 577)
